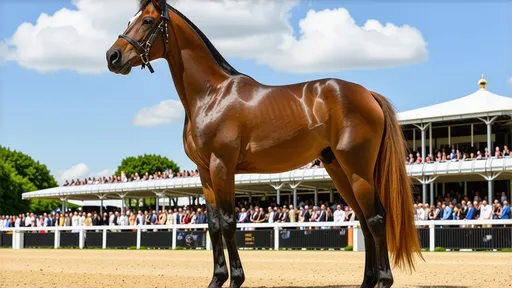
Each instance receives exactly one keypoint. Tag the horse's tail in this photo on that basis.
(394, 190)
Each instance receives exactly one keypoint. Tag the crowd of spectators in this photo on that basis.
(191, 214)
(456, 155)
(463, 208)
(448, 208)
(167, 174)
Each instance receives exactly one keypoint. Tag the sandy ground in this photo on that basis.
(166, 268)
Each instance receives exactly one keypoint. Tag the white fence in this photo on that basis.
(476, 234)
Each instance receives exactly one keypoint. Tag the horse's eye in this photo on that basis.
(147, 21)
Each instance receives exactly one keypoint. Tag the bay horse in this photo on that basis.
(235, 124)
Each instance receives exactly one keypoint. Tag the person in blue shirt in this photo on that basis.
(471, 211)
(447, 212)
(505, 211)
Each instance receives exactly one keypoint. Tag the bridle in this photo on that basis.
(144, 48)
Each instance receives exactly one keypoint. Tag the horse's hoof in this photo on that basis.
(237, 282)
(369, 283)
(218, 281)
(385, 283)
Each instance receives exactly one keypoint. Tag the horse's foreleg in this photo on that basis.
(223, 179)
(220, 270)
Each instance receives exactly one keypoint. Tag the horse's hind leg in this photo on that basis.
(342, 184)
(358, 162)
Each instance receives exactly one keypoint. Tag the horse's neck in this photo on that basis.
(194, 70)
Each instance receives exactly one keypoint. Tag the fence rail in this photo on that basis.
(449, 234)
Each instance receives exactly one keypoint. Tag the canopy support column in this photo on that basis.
(424, 181)
(278, 192)
(101, 197)
(490, 176)
(423, 127)
(413, 139)
(122, 195)
(449, 138)
(489, 121)
(294, 186)
(157, 201)
(64, 201)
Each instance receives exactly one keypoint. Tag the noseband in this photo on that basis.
(144, 48)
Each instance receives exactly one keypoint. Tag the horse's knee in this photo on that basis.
(228, 224)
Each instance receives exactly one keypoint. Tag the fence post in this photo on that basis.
(138, 237)
(104, 239)
(432, 235)
(81, 235)
(208, 240)
(56, 241)
(355, 235)
(174, 235)
(276, 237)
(15, 239)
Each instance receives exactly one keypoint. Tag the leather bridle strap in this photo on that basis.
(144, 48)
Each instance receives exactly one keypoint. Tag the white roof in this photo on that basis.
(481, 103)
(191, 186)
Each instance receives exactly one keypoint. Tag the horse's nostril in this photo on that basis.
(114, 57)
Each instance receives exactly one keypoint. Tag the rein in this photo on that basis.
(144, 48)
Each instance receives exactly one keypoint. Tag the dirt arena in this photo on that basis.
(165, 268)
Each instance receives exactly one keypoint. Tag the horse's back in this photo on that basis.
(296, 121)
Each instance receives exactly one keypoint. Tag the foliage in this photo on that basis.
(20, 173)
(149, 163)
(349, 248)
(12, 186)
(35, 172)
(439, 249)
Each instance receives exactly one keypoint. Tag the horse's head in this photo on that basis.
(144, 40)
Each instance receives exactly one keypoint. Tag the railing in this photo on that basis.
(449, 234)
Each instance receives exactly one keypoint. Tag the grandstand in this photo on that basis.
(456, 135)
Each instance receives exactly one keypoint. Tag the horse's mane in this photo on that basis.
(215, 53)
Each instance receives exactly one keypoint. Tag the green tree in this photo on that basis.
(23, 174)
(37, 173)
(12, 186)
(149, 163)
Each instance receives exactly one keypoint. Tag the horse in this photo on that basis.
(234, 124)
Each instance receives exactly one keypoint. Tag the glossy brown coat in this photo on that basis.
(235, 124)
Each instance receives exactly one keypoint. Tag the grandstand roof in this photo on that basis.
(183, 187)
(255, 184)
(481, 103)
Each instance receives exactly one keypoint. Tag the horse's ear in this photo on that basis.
(162, 5)
(159, 3)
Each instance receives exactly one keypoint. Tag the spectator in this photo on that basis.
(339, 214)
(505, 211)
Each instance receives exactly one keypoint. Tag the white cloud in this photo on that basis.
(328, 40)
(71, 39)
(510, 82)
(80, 171)
(165, 112)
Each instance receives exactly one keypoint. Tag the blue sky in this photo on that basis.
(63, 118)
